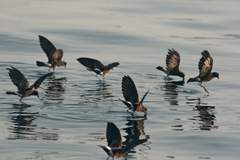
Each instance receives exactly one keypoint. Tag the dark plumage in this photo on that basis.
(115, 148)
(54, 55)
(172, 64)
(97, 66)
(205, 69)
(131, 97)
(135, 134)
(23, 86)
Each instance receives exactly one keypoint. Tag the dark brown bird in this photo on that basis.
(97, 66)
(131, 97)
(115, 147)
(54, 55)
(205, 70)
(172, 64)
(23, 86)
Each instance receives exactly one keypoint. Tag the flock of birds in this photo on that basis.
(115, 146)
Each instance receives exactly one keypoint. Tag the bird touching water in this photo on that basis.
(115, 147)
(172, 64)
(131, 97)
(96, 66)
(23, 86)
(54, 55)
(205, 70)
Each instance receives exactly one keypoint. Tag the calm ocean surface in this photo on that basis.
(69, 120)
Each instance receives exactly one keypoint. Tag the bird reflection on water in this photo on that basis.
(206, 114)
(55, 89)
(170, 91)
(98, 92)
(135, 133)
(23, 127)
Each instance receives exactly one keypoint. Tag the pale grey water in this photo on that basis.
(69, 120)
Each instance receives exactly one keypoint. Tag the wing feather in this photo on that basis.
(47, 47)
(205, 65)
(172, 59)
(92, 64)
(18, 79)
(39, 81)
(113, 135)
(129, 91)
(112, 65)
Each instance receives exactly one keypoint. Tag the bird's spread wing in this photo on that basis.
(172, 59)
(92, 64)
(47, 47)
(38, 82)
(144, 96)
(129, 91)
(205, 64)
(113, 135)
(18, 79)
(112, 65)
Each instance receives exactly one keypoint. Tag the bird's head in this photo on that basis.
(35, 93)
(215, 75)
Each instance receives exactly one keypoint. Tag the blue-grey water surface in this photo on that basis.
(69, 120)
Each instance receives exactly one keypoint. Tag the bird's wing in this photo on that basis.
(113, 135)
(129, 91)
(47, 47)
(144, 96)
(172, 59)
(112, 65)
(38, 82)
(205, 64)
(92, 64)
(18, 79)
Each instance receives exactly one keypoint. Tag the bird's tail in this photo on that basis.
(161, 69)
(195, 79)
(128, 104)
(107, 150)
(41, 64)
(11, 93)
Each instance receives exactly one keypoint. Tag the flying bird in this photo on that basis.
(205, 70)
(115, 147)
(96, 66)
(22, 84)
(172, 64)
(131, 97)
(54, 55)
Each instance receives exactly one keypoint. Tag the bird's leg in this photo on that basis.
(205, 89)
(103, 76)
(98, 77)
(22, 101)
